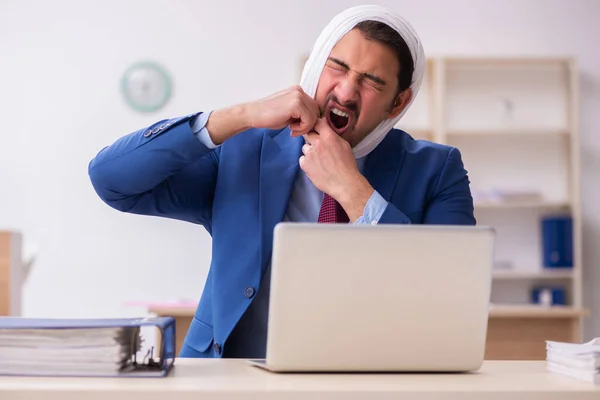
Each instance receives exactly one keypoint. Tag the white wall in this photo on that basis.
(60, 66)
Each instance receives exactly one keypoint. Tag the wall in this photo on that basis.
(61, 62)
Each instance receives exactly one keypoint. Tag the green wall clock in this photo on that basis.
(146, 86)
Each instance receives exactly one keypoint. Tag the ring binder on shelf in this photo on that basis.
(85, 347)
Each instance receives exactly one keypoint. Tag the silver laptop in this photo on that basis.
(351, 298)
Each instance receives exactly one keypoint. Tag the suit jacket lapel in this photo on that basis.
(384, 163)
(278, 169)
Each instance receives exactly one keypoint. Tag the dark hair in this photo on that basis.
(382, 33)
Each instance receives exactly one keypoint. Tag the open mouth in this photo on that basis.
(338, 119)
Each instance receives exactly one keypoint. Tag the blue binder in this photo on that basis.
(557, 242)
(18, 330)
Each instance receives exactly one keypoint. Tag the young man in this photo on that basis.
(320, 152)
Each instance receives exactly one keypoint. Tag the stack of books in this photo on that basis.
(579, 361)
(83, 347)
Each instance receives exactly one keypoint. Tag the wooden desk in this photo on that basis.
(210, 379)
(514, 333)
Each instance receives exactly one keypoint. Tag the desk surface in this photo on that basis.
(233, 379)
(496, 311)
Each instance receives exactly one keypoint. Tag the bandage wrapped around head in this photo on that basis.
(334, 31)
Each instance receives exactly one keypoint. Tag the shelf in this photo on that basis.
(515, 122)
(508, 132)
(534, 311)
(510, 98)
(566, 273)
(491, 205)
(505, 61)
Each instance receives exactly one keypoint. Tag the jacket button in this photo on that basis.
(249, 292)
(217, 348)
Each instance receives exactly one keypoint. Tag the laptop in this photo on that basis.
(378, 298)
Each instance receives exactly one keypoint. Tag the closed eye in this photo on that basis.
(374, 84)
(372, 80)
(376, 81)
(337, 65)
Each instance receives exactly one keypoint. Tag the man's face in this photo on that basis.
(358, 86)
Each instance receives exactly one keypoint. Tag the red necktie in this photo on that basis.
(331, 211)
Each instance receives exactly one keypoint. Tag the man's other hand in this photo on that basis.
(329, 163)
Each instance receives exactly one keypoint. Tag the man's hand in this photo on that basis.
(291, 106)
(329, 163)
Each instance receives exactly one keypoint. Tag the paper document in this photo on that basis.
(579, 361)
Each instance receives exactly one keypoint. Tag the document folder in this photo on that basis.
(86, 347)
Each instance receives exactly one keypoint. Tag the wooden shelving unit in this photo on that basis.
(532, 274)
(11, 273)
(539, 205)
(533, 311)
(515, 122)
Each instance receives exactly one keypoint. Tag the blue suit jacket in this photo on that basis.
(240, 191)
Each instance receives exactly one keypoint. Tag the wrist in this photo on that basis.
(355, 196)
(244, 114)
(227, 122)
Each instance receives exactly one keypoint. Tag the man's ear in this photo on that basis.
(400, 102)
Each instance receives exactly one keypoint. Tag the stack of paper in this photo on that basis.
(60, 347)
(579, 361)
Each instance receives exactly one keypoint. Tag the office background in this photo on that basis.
(60, 101)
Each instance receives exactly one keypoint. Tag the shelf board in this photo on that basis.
(508, 132)
(534, 311)
(495, 62)
(512, 274)
(491, 205)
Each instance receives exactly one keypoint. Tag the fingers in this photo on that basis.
(295, 127)
(311, 104)
(311, 138)
(306, 148)
(313, 108)
(322, 127)
(302, 121)
(302, 162)
(305, 113)
(306, 121)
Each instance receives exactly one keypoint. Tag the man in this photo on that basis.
(320, 152)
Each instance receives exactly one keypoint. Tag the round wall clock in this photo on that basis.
(146, 86)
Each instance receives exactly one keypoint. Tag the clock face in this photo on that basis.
(146, 87)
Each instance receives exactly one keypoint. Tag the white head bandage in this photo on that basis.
(334, 31)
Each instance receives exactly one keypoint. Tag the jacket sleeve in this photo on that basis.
(162, 170)
(452, 203)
